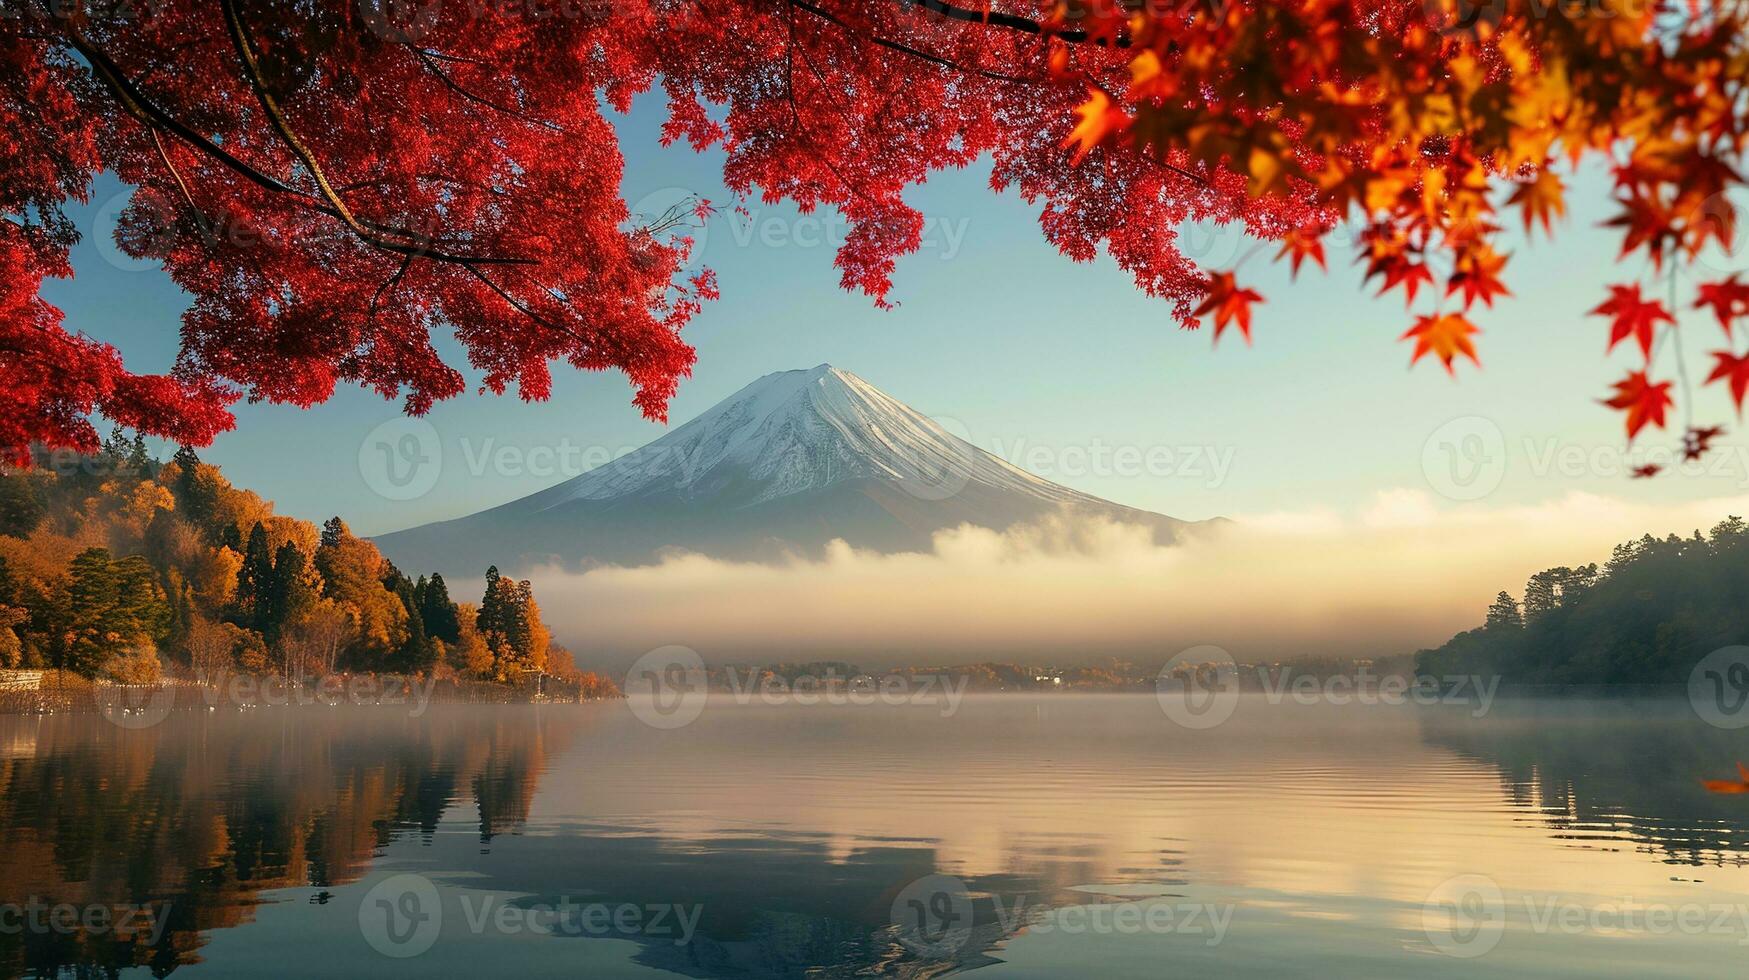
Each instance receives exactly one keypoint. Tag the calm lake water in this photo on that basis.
(1019, 837)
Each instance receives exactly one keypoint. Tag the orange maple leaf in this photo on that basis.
(1632, 315)
(1444, 336)
(1734, 369)
(1738, 785)
(1542, 199)
(1228, 303)
(1099, 119)
(1645, 401)
(1478, 276)
(1728, 299)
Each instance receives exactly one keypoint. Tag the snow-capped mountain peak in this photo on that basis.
(792, 432)
(790, 462)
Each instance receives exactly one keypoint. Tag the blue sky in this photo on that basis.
(1028, 354)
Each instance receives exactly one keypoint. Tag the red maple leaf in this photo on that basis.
(1734, 369)
(1644, 400)
(1646, 472)
(1697, 442)
(1478, 276)
(1646, 223)
(1728, 299)
(1632, 316)
(1228, 303)
(1409, 275)
(1300, 245)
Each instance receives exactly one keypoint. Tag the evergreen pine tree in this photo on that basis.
(417, 653)
(442, 621)
(254, 579)
(289, 593)
(333, 532)
(1504, 614)
(491, 615)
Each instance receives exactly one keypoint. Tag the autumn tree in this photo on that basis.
(469, 655)
(352, 576)
(335, 183)
(509, 623)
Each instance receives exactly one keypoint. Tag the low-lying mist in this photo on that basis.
(1401, 573)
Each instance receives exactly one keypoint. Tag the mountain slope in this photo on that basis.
(786, 464)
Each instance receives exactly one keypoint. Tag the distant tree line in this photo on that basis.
(117, 565)
(1646, 616)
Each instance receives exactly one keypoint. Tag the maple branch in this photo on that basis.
(252, 72)
(153, 116)
(388, 285)
(358, 185)
(795, 112)
(181, 184)
(450, 83)
(1013, 22)
(135, 103)
(914, 52)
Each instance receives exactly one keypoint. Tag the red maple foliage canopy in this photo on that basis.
(335, 183)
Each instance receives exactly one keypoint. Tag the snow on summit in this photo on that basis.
(786, 464)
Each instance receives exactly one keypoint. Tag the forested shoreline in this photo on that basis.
(1644, 617)
(118, 567)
